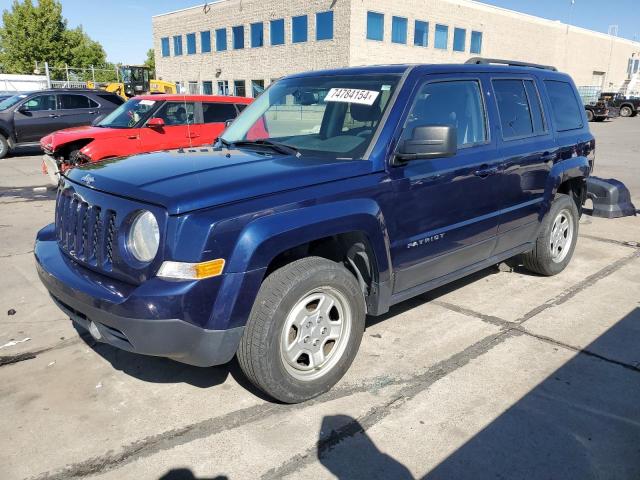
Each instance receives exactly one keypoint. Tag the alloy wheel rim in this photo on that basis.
(561, 235)
(315, 334)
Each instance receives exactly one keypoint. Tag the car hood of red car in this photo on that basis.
(54, 140)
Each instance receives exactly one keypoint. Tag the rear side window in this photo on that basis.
(519, 108)
(115, 99)
(72, 102)
(218, 112)
(455, 103)
(567, 113)
(537, 116)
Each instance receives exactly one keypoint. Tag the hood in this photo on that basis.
(60, 137)
(186, 180)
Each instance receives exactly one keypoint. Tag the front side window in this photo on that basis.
(513, 107)
(191, 43)
(218, 112)
(375, 26)
(257, 35)
(299, 29)
(176, 113)
(128, 114)
(328, 116)
(277, 31)
(239, 88)
(459, 39)
(442, 37)
(205, 41)
(456, 103)
(72, 102)
(399, 30)
(164, 46)
(40, 103)
(421, 34)
(238, 37)
(221, 39)
(567, 113)
(324, 25)
(476, 42)
(177, 45)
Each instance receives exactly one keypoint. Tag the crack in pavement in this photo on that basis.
(29, 355)
(410, 388)
(622, 243)
(16, 254)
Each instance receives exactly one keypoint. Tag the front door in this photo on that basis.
(36, 117)
(445, 210)
(180, 129)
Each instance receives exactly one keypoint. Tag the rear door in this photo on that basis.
(527, 149)
(76, 109)
(36, 117)
(214, 116)
(180, 129)
(444, 210)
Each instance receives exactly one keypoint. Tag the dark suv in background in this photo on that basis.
(27, 117)
(628, 106)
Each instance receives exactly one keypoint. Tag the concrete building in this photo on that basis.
(240, 46)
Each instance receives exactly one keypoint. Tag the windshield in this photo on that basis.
(333, 116)
(11, 101)
(128, 114)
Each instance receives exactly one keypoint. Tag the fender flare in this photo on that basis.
(576, 167)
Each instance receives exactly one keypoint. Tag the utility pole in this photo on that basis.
(66, 69)
(46, 71)
(93, 75)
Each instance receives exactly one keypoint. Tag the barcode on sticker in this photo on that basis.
(352, 95)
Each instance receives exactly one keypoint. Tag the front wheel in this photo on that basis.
(626, 111)
(4, 146)
(304, 329)
(557, 238)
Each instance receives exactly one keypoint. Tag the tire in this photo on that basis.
(4, 146)
(626, 111)
(549, 258)
(590, 116)
(600, 119)
(288, 316)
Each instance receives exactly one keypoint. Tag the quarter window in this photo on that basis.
(459, 39)
(218, 112)
(72, 102)
(238, 37)
(399, 30)
(375, 26)
(455, 103)
(442, 37)
(567, 113)
(205, 41)
(221, 39)
(164, 45)
(476, 42)
(299, 29)
(513, 107)
(421, 34)
(257, 35)
(177, 45)
(277, 32)
(324, 25)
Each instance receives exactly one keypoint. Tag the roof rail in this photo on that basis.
(511, 63)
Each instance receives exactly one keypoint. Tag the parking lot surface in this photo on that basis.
(501, 375)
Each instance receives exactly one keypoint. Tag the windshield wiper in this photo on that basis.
(277, 146)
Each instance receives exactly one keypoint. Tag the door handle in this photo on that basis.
(132, 137)
(93, 112)
(52, 115)
(485, 172)
(192, 135)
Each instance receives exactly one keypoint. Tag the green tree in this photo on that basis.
(151, 61)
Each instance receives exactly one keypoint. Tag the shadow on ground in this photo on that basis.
(28, 194)
(186, 474)
(582, 422)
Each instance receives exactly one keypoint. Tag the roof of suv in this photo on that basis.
(196, 98)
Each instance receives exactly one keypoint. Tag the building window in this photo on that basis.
(164, 42)
(207, 87)
(257, 35)
(221, 39)
(239, 89)
(277, 32)
(205, 41)
(177, 45)
(192, 87)
(459, 39)
(442, 37)
(421, 33)
(223, 87)
(191, 43)
(399, 30)
(257, 87)
(375, 26)
(324, 25)
(238, 37)
(299, 29)
(476, 42)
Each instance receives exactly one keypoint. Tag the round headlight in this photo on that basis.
(144, 237)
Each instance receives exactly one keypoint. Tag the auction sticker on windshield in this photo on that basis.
(352, 95)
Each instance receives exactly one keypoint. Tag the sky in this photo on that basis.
(123, 27)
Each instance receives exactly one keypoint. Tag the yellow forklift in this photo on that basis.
(134, 80)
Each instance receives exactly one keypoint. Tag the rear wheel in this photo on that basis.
(626, 111)
(4, 146)
(304, 329)
(557, 238)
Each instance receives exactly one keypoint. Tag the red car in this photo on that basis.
(143, 124)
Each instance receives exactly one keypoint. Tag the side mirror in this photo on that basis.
(227, 123)
(429, 141)
(155, 123)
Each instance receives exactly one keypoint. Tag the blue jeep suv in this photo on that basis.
(335, 195)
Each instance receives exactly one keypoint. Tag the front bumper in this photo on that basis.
(89, 301)
(51, 167)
